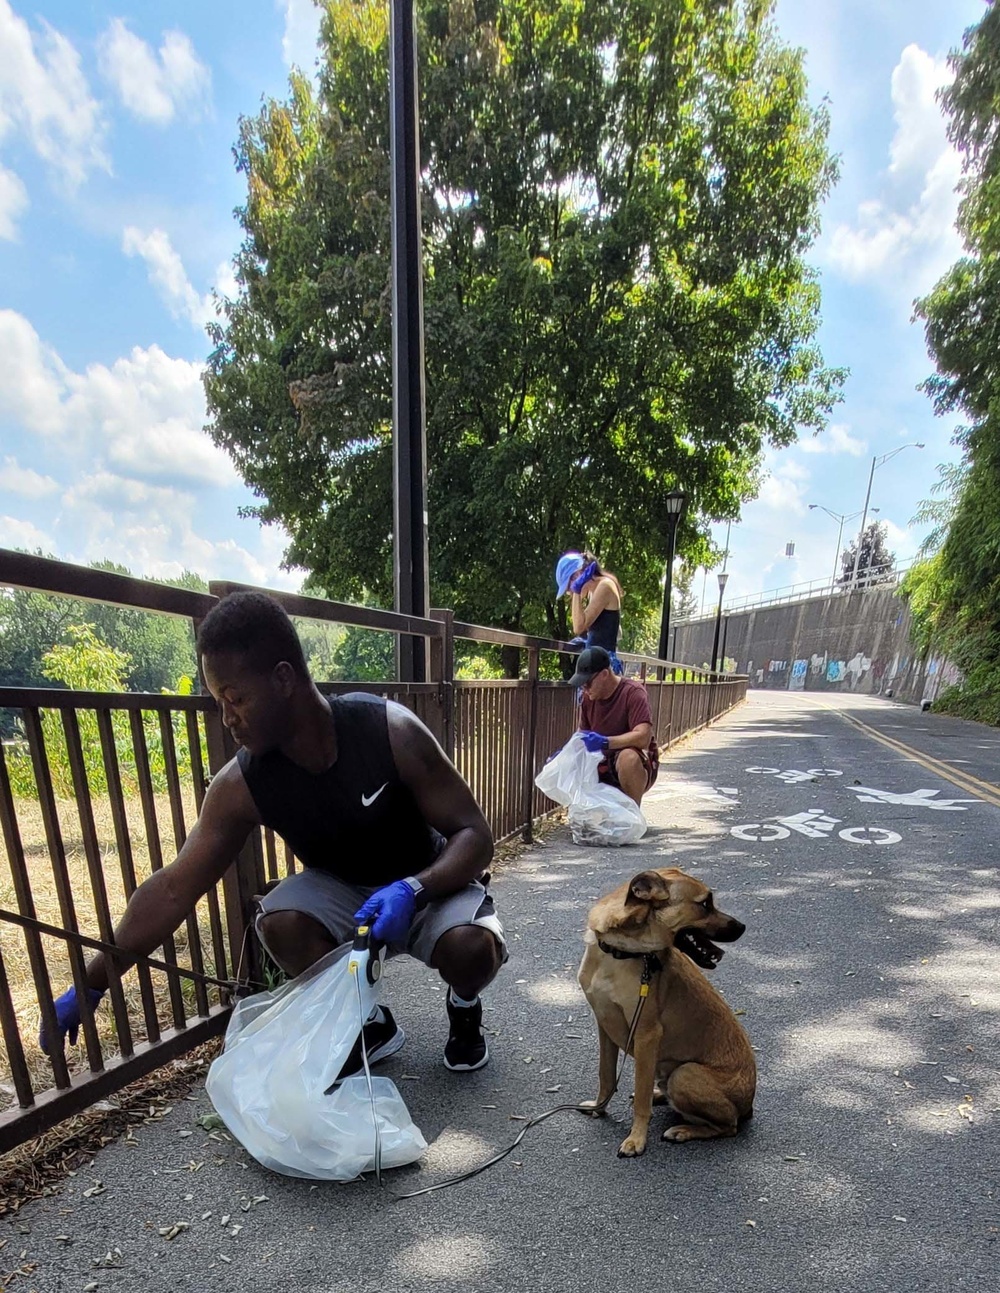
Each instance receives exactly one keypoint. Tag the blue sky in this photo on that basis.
(117, 188)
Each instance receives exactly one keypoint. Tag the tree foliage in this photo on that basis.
(960, 590)
(617, 201)
(868, 562)
(160, 648)
(83, 661)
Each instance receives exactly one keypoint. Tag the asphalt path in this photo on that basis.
(868, 980)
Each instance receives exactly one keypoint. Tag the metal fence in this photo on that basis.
(134, 771)
(869, 579)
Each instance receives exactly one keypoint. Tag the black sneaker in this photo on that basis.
(466, 1048)
(383, 1037)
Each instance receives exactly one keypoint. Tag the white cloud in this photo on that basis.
(15, 533)
(13, 203)
(143, 414)
(151, 529)
(32, 377)
(913, 223)
(147, 411)
(44, 97)
(168, 275)
(299, 43)
(903, 542)
(25, 482)
(835, 439)
(784, 488)
(154, 86)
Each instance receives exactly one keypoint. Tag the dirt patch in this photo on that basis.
(40, 1167)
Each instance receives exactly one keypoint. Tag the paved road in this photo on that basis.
(869, 979)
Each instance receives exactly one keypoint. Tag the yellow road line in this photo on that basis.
(964, 780)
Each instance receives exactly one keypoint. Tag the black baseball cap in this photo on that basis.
(590, 663)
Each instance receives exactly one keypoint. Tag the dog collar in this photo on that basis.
(650, 961)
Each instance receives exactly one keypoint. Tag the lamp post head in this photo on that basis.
(674, 502)
(723, 580)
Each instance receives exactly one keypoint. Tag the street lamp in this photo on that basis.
(877, 461)
(840, 533)
(723, 579)
(674, 504)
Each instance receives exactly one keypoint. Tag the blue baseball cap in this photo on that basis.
(566, 567)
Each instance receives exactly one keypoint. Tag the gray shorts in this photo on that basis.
(333, 903)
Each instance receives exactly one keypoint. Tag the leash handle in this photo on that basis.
(369, 951)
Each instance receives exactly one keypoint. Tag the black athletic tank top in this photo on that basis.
(604, 630)
(355, 820)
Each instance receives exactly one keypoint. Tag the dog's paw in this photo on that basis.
(631, 1147)
(594, 1108)
(680, 1133)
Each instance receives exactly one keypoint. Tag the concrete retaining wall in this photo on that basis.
(838, 642)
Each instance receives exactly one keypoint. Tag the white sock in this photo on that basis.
(376, 1017)
(456, 1000)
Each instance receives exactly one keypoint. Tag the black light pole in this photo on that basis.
(723, 578)
(674, 503)
(725, 634)
(409, 441)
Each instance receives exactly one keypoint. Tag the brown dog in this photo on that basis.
(661, 926)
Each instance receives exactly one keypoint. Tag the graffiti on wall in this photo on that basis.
(822, 671)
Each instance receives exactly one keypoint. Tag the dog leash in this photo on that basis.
(650, 965)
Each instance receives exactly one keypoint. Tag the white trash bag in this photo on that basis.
(282, 1053)
(598, 814)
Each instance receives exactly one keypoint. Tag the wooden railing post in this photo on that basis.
(443, 673)
(528, 788)
(246, 876)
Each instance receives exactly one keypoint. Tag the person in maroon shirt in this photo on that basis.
(615, 719)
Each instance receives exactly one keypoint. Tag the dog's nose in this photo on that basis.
(738, 928)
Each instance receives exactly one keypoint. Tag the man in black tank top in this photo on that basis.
(387, 831)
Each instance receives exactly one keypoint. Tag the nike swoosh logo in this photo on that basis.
(368, 800)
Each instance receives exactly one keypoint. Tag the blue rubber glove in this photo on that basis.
(392, 910)
(67, 1010)
(595, 742)
(583, 578)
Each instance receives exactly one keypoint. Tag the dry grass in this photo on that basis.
(41, 877)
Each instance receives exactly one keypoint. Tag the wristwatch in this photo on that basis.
(419, 892)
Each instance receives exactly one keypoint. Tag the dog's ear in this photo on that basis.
(648, 886)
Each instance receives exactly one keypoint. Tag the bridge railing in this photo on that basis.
(100, 789)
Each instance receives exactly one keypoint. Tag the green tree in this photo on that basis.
(30, 623)
(160, 648)
(869, 562)
(939, 510)
(618, 198)
(82, 662)
(365, 655)
(85, 662)
(960, 592)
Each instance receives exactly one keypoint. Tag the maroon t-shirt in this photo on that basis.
(622, 712)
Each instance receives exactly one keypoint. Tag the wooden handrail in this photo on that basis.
(65, 579)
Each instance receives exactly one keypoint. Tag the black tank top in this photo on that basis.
(355, 820)
(604, 630)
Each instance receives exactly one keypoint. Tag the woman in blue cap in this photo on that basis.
(597, 619)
